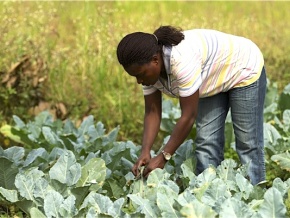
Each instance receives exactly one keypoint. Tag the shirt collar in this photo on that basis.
(166, 58)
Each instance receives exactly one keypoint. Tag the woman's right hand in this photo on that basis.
(143, 160)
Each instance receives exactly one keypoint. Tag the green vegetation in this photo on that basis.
(66, 171)
(60, 56)
(70, 53)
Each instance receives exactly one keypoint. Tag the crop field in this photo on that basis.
(71, 46)
(60, 56)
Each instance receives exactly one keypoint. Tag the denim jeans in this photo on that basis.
(246, 104)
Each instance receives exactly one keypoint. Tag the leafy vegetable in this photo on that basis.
(69, 171)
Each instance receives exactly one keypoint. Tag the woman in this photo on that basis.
(210, 72)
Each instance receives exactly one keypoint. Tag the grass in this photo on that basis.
(78, 40)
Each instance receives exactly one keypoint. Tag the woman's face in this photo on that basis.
(146, 74)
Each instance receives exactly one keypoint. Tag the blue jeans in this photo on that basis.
(246, 104)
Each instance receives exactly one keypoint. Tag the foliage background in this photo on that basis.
(71, 48)
(60, 56)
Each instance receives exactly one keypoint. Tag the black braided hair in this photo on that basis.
(169, 35)
(139, 47)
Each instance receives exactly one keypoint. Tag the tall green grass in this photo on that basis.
(78, 40)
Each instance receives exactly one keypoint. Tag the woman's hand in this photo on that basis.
(150, 164)
(143, 160)
(156, 162)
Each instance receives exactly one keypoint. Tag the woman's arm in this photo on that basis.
(152, 119)
(189, 107)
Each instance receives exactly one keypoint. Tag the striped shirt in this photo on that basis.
(210, 61)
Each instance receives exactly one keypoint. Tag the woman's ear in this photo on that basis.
(155, 59)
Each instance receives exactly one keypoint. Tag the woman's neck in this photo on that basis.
(163, 73)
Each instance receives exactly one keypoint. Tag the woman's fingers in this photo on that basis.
(135, 169)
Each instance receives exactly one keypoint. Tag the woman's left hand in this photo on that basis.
(155, 162)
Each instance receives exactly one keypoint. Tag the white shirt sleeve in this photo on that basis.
(147, 90)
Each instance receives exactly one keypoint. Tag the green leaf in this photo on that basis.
(43, 118)
(270, 111)
(281, 186)
(116, 209)
(244, 185)
(165, 200)
(69, 128)
(286, 119)
(156, 176)
(226, 170)
(235, 208)
(170, 114)
(197, 209)
(67, 208)
(83, 129)
(25, 182)
(111, 137)
(113, 187)
(96, 132)
(229, 133)
(33, 155)
(36, 213)
(50, 136)
(184, 152)
(216, 193)
(114, 156)
(283, 160)
(16, 135)
(187, 171)
(8, 173)
(19, 123)
(100, 129)
(55, 153)
(91, 213)
(66, 142)
(203, 181)
(80, 193)
(41, 188)
(271, 135)
(103, 205)
(255, 204)
(185, 197)
(95, 146)
(58, 186)
(9, 195)
(66, 170)
(90, 201)
(284, 99)
(52, 203)
(34, 133)
(15, 154)
(257, 193)
(25, 205)
(144, 205)
(94, 172)
(273, 205)
(272, 94)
